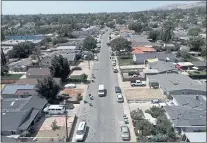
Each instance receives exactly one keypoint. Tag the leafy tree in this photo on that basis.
(155, 111)
(167, 31)
(184, 55)
(196, 43)
(194, 31)
(59, 40)
(60, 67)
(154, 35)
(154, 25)
(4, 70)
(203, 51)
(145, 127)
(22, 50)
(110, 24)
(137, 27)
(47, 88)
(90, 43)
(137, 114)
(119, 44)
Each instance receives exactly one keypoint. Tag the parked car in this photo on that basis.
(138, 83)
(117, 89)
(70, 85)
(119, 97)
(125, 133)
(81, 131)
(115, 70)
(96, 58)
(114, 63)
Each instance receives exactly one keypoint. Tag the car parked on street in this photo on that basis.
(115, 70)
(119, 98)
(81, 131)
(117, 89)
(125, 133)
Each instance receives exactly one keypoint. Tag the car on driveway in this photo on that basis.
(119, 97)
(125, 133)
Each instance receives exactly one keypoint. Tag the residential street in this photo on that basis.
(106, 116)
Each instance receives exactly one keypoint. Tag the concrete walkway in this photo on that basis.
(126, 106)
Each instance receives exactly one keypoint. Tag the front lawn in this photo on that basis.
(12, 76)
(124, 62)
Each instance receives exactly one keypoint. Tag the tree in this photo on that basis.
(120, 43)
(167, 31)
(90, 43)
(145, 127)
(194, 31)
(59, 40)
(110, 24)
(60, 67)
(47, 88)
(4, 70)
(154, 35)
(22, 50)
(137, 27)
(155, 111)
(196, 43)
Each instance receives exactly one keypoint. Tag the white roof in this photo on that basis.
(101, 87)
(55, 106)
(66, 48)
(196, 136)
(185, 64)
(81, 125)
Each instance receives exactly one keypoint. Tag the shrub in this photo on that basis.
(156, 111)
(54, 125)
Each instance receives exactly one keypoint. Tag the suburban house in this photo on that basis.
(139, 40)
(201, 65)
(160, 67)
(185, 119)
(21, 66)
(176, 84)
(33, 81)
(142, 58)
(78, 42)
(10, 90)
(20, 114)
(143, 49)
(197, 102)
(71, 57)
(38, 73)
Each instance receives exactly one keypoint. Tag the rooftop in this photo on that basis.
(143, 49)
(191, 101)
(12, 88)
(31, 81)
(38, 71)
(173, 81)
(196, 136)
(183, 116)
(162, 66)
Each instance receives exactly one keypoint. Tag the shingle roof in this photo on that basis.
(162, 66)
(18, 113)
(173, 81)
(12, 88)
(26, 92)
(140, 58)
(38, 71)
(182, 116)
(190, 101)
(31, 81)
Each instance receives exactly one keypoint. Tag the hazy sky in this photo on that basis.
(60, 7)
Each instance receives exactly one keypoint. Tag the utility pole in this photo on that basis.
(66, 121)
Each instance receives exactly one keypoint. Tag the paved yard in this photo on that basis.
(46, 133)
(143, 94)
(85, 69)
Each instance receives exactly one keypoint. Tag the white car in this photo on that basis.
(119, 97)
(70, 86)
(81, 131)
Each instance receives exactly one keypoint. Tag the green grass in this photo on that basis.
(124, 62)
(12, 76)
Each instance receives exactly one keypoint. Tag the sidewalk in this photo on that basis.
(126, 106)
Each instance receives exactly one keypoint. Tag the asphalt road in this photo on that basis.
(105, 117)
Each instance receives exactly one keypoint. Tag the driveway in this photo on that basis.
(105, 117)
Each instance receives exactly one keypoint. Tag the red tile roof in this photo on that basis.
(144, 49)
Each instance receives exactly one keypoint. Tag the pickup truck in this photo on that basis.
(138, 83)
